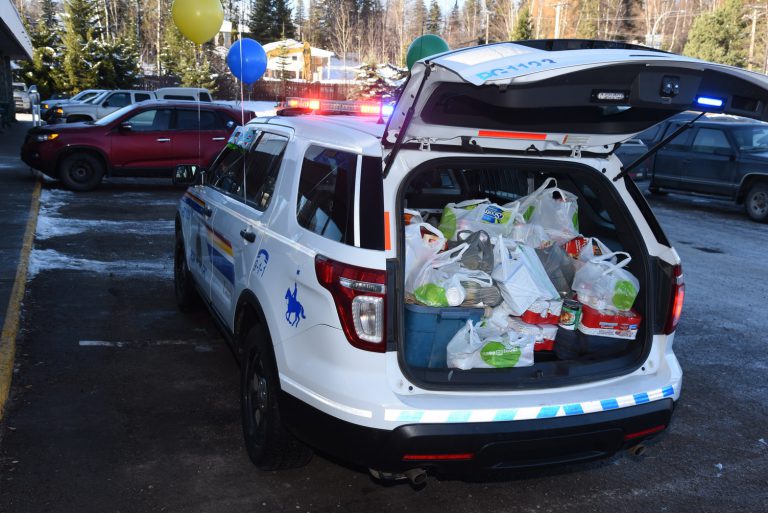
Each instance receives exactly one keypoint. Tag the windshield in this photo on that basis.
(752, 138)
(18, 87)
(96, 98)
(109, 118)
(84, 95)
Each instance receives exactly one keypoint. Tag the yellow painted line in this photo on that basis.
(12, 315)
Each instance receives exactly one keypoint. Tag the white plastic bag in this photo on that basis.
(499, 349)
(606, 285)
(420, 249)
(412, 216)
(520, 276)
(552, 208)
(584, 249)
(475, 215)
(438, 283)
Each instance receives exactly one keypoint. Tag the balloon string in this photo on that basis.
(199, 123)
(242, 98)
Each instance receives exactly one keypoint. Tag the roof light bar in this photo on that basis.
(340, 106)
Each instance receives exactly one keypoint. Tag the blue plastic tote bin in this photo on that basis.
(428, 331)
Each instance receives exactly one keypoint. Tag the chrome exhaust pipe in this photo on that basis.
(637, 450)
(416, 476)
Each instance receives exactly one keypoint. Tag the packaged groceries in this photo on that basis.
(498, 349)
(553, 209)
(544, 334)
(422, 244)
(607, 323)
(520, 276)
(476, 215)
(605, 285)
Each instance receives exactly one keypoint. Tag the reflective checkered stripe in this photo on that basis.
(537, 412)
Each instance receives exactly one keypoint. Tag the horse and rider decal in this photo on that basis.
(295, 311)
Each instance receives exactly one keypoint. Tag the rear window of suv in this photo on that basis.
(327, 193)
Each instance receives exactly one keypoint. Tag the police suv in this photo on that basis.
(294, 239)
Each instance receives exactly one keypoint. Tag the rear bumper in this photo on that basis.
(492, 445)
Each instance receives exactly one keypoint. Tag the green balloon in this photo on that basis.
(425, 46)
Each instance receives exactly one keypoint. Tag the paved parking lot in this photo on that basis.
(121, 403)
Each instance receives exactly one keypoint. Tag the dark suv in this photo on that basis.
(723, 156)
(145, 139)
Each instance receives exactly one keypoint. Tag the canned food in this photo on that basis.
(570, 314)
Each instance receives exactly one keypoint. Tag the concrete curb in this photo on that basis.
(13, 314)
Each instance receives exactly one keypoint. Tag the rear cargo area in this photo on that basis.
(488, 274)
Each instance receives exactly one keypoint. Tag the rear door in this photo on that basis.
(515, 97)
(198, 135)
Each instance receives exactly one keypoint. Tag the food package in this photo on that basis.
(552, 208)
(498, 349)
(583, 249)
(412, 216)
(543, 312)
(544, 334)
(605, 285)
(422, 244)
(606, 323)
(520, 276)
(476, 215)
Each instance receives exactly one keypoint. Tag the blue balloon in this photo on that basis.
(247, 60)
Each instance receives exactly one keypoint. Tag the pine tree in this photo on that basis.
(282, 25)
(434, 18)
(587, 27)
(260, 20)
(720, 36)
(377, 81)
(453, 35)
(299, 19)
(524, 26)
(48, 13)
(44, 69)
(78, 72)
(417, 16)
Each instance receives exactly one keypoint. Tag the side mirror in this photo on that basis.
(231, 124)
(105, 104)
(125, 127)
(187, 174)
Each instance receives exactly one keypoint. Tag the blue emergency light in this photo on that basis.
(706, 101)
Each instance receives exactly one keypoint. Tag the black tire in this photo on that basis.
(756, 202)
(81, 172)
(269, 444)
(187, 298)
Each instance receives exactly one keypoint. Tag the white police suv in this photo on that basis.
(294, 239)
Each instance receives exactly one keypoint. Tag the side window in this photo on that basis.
(708, 140)
(141, 97)
(151, 120)
(118, 100)
(188, 119)
(678, 143)
(327, 193)
(226, 173)
(205, 97)
(262, 166)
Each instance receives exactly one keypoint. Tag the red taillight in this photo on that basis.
(645, 432)
(360, 297)
(441, 457)
(678, 294)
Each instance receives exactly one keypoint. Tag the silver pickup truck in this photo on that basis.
(103, 104)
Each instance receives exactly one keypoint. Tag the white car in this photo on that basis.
(295, 241)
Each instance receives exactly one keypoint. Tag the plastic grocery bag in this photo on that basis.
(532, 235)
(559, 267)
(605, 285)
(479, 255)
(520, 276)
(412, 216)
(439, 284)
(553, 209)
(420, 249)
(500, 349)
(584, 249)
(475, 215)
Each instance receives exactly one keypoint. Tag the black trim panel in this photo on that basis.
(495, 445)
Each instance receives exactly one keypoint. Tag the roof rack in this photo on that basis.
(559, 45)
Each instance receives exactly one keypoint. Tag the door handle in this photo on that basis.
(218, 138)
(164, 139)
(249, 236)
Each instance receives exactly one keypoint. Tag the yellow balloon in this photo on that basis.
(198, 20)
